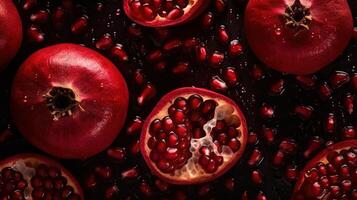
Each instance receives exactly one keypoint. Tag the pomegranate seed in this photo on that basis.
(135, 147)
(230, 76)
(181, 67)
(257, 73)
(207, 20)
(175, 14)
(269, 135)
(161, 185)
(255, 158)
(216, 83)
(304, 112)
(58, 18)
(291, 173)
(216, 59)
(252, 138)
(235, 48)
(40, 17)
(234, 144)
(201, 54)
(131, 173)
(119, 53)
(104, 172)
(223, 36)
(261, 196)
(105, 42)
(145, 189)
(29, 4)
(219, 5)
(278, 159)
(288, 146)
(135, 126)
(154, 56)
(307, 82)
(190, 43)
(348, 132)
(116, 153)
(277, 88)
(325, 91)
(135, 30)
(245, 195)
(80, 25)
(139, 77)
(91, 181)
(314, 144)
(147, 93)
(267, 111)
(35, 34)
(111, 191)
(172, 44)
(354, 81)
(316, 189)
(349, 103)
(330, 124)
(339, 78)
(256, 177)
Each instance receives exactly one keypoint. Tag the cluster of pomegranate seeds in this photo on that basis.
(334, 179)
(150, 9)
(170, 140)
(46, 183)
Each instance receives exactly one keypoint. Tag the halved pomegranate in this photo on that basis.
(69, 101)
(332, 174)
(193, 135)
(159, 13)
(34, 177)
(10, 32)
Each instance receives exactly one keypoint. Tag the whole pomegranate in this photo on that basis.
(10, 32)
(193, 135)
(298, 36)
(69, 101)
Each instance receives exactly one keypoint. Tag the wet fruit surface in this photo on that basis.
(290, 118)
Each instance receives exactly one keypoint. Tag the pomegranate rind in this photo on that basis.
(321, 157)
(190, 12)
(161, 109)
(35, 160)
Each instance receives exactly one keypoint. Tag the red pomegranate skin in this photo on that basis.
(10, 32)
(298, 51)
(193, 9)
(98, 86)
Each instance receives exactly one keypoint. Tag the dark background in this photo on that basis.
(249, 94)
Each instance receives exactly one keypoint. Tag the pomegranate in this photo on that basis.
(163, 13)
(69, 101)
(10, 32)
(332, 174)
(298, 36)
(193, 135)
(32, 177)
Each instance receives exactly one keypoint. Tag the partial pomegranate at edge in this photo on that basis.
(193, 135)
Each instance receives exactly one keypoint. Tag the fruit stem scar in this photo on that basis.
(61, 102)
(297, 16)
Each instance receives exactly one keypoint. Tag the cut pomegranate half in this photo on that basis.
(332, 174)
(159, 13)
(32, 177)
(193, 135)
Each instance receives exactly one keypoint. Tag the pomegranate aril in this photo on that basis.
(147, 93)
(234, 144)
(201, 54)
(29, 4)
(314, 144)
(35, 34)
(316, 189)
(178, 117)
(339, 78)
(291, 173)
(105, 42)
(38, 193)
(116, 153)
(230, 76)
(267, 111)
(223, 36)
(131, 173)
(154, 56)
(306, 82)
(208, 106)
(349, 103)
(104, 172)
(111, 191)
(235, 48)
(148, 12)
(40, 17)
(324, 91)
(288, 146)
(195, 101)
(145, 189)
(175, 13)
(278, 159)
(135, 126)
(216, 59)
(277, 88)
(330, 124)
(119, 53)
(207, 20)
(269, 135)
(256, 177)
(181, 67)
(255, 158)
(172, 45)
(80, 25)
(304, 112)
(348, 132)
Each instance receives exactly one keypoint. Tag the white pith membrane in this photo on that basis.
(27, 168)
(192, 169)
(326, 193)
(186, 9)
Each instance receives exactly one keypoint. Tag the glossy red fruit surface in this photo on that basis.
(298, 36)
(193, 135)
(10, 32)
(32, 177)
(332, 174)
(163, 13)
(69, 101)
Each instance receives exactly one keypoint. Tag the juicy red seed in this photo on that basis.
(325, 91)
(233, 132)
(307, 82)
(339, 78)
(35, 34)
(36, 182)
(80, 25)
(269, 135)
(29, 4)
(161, 185)
(330, 123)
(154, 56)
(216, 59)
(90, 181)
(160, 65)
(167, 124)
(207, 20)
(119, 53)
(172, 44)
(116, 153)
(104, 172)
(130, 173)
(219, 5)
(155, 126)
(145, 189)
(195, 101)
(163, 164)
(38, 193)
(178, 116)
(198, 133)
(40, 17)
(105, 42)
(148, 12)
(161, 146)
(111, 191)
(223, 36)
(135, 126)
(278, 159)
(172, 140)
(304, 112)
(147, 93)
(256, 177)
(252, 138)
(291, 173)
(267, 111)
(208, 106)
(348, 132)
(255, 158)
(175, 13)
(235, 48)
(344, 171)
(346, 185)
(261, 196)
(278, 87)
(201, 54)
(139, 77)
(60, 182)
(314, 144)
(316, 189)
(230, 76)
(288, 146)
(349, 103)
(234, 144)
(211, 166)
(181, 67)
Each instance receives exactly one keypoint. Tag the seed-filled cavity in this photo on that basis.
(196, 133)
(46, 183)
(335, 179)
(150, 9)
